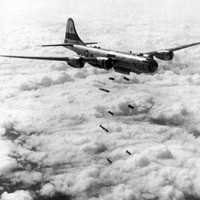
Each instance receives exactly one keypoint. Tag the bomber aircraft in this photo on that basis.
(122, 62)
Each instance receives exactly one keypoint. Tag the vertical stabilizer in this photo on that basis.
(71, 35)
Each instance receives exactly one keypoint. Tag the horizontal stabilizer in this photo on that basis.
(58, 45)
(88, 43)
(65, 44)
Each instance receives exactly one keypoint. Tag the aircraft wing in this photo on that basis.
(172, 49)
(183, 46)
(38, 58)
(86, 59)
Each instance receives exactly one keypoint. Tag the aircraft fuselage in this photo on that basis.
(126, 61)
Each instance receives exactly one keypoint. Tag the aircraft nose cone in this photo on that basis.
(153, 66)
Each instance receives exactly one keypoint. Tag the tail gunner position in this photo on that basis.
(121, 62)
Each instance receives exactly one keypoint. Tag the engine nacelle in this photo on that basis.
(164, 55)
(76, 62)
(104, 63)
(152, 66)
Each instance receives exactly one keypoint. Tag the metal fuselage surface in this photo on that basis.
(123, 60)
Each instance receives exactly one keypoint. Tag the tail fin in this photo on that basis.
(71, 35)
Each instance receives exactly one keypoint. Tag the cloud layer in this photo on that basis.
(52, 144)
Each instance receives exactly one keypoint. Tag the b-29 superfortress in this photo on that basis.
(122, 62)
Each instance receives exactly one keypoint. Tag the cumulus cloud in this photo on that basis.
(95, 148)
(7, 163)
(173, 114)
(47, 190)
(18, 195)
(81, 74)
(60, 67)
(52, 146)
(46, 82)
(139, 103)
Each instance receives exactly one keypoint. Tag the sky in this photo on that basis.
(51, 142)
